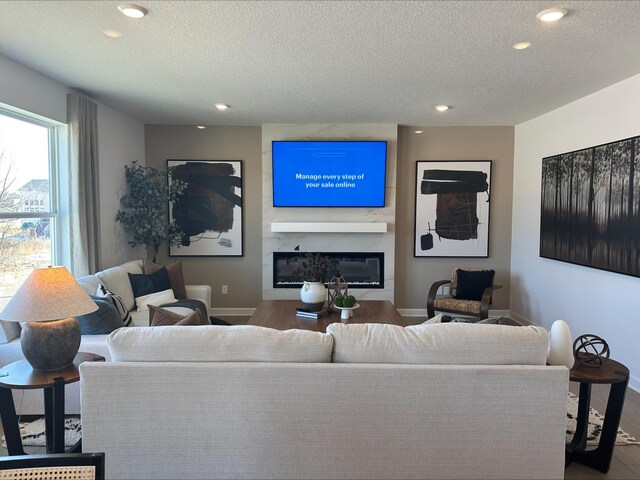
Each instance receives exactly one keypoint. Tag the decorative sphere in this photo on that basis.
(590, 350)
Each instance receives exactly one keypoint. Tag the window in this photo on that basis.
(29, 210)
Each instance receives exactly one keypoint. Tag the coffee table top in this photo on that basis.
(281, 315)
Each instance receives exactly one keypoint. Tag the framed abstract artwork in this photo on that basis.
(209, 213)
(452, 208)
(590, 207)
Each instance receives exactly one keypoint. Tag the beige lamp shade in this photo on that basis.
(48, 294)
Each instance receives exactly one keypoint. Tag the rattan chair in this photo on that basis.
(449, 304)
(61, 466)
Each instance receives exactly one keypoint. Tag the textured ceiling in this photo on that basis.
(328, 61)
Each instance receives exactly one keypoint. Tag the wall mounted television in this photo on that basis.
(329, 173)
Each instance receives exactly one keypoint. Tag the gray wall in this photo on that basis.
(588, 299)
(120, 141)
(242, 275)
(414, 276)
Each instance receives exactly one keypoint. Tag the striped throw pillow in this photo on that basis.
(117, 301)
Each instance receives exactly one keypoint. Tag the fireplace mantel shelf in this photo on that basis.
(329, 227)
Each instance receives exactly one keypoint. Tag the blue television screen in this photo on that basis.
(329, 173)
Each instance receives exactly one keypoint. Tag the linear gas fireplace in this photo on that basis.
(360, 270)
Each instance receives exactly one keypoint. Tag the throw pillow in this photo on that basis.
(471, 283)
(160, 316)
(176, 276)
(158, 298)
(436, 319)
(104, 320)
(117, 302)
(142, 284)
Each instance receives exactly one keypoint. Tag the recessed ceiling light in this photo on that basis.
(133, 11)
(551, 14)
(521, 45)
(222, 107)
(201, 127)
(418, 131)
(112, 33)
(442, 108)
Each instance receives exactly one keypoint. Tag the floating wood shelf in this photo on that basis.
(328, 227)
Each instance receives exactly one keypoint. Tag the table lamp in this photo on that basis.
(48, 301)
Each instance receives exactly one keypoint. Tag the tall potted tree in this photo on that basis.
(143, 212)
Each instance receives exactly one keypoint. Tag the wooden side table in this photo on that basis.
(617, 375)
(20, 375)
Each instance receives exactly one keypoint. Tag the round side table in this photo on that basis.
(612, 373)
(20, 375)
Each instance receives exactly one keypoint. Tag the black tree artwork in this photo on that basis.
(590, 211)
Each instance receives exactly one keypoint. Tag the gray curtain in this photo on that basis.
(84, 197)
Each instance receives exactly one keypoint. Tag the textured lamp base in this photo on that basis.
(50, 346)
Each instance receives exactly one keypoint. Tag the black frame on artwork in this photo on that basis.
(211, 210)
(452, 208)
(590, 207)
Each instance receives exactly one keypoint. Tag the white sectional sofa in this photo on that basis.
(448, 401)
(115, 279)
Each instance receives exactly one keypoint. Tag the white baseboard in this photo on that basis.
(231, 312)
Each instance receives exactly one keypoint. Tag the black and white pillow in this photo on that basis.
(117, 302)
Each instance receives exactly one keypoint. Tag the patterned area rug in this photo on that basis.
(595, 425)
(33, 432)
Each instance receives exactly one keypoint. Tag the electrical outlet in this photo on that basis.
(225, 289)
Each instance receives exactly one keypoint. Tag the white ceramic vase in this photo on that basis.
(560, 344)
(313, 295)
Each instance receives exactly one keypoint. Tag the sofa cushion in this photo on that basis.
(176, 276)
(142, 284)
(104, 320)
(439, 344)
(157, 298)
(117, 280)
(9, 331)
(211, 343)
(117, 302)
(160, 316)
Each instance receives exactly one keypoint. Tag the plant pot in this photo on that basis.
(313, 295)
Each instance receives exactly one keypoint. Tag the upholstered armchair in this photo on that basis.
(60, 466)
(470, 293)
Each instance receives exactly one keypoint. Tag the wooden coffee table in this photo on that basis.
(281, 315)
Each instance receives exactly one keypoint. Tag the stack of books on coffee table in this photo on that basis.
(303, 312)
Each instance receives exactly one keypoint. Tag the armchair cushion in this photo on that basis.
(471, 283)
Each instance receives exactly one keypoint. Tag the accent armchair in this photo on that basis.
(61, 466)
(470, 293)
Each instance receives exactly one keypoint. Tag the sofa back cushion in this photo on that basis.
(439, 344)
(116, 279)
(211, 343)
(9, 331)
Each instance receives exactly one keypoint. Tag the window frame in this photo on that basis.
(55, 134)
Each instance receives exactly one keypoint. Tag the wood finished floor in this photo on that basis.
(626, 459)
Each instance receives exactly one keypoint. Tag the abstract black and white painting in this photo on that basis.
(590, 212)
(452, 208)
(209, 213)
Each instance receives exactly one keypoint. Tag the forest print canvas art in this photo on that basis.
(591, 207)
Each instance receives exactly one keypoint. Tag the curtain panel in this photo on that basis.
(84, 194)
